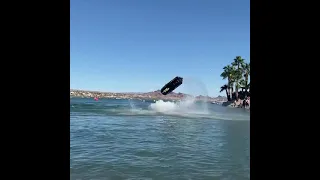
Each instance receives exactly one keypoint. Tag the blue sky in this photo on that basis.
(139, 45)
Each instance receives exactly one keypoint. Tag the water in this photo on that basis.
(133, 139)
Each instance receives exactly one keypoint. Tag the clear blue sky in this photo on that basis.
(139, 45)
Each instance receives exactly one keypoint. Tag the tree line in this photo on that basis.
(237, 75)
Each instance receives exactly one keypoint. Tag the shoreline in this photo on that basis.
(235, 104)
(155, 95)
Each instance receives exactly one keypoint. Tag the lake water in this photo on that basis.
(135, 139)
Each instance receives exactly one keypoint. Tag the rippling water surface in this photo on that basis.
(133, 139)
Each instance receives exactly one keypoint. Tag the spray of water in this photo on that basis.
(132, 105)
(189, 105)
(196, 87)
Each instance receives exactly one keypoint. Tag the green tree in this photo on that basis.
(227, 73)
(237, 75)
(226, 88)
(246, 74)
(238, 63)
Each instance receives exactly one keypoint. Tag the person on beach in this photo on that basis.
(244, 102)
(248, 101)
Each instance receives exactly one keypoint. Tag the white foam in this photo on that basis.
(161, 106)
(183, 107)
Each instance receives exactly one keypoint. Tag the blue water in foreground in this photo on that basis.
(134, 139)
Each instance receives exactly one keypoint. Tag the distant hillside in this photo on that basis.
(170, 95)
(154, 95)
(179, 95)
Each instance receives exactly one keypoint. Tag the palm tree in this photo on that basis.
(232, 82)
(238, 63)
(227, 73)
(238, 74)
(226, 88)
(246, 74)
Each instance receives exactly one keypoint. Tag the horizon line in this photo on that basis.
(133, 92)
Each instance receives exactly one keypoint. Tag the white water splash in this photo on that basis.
(183, 107)
(189, 107)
